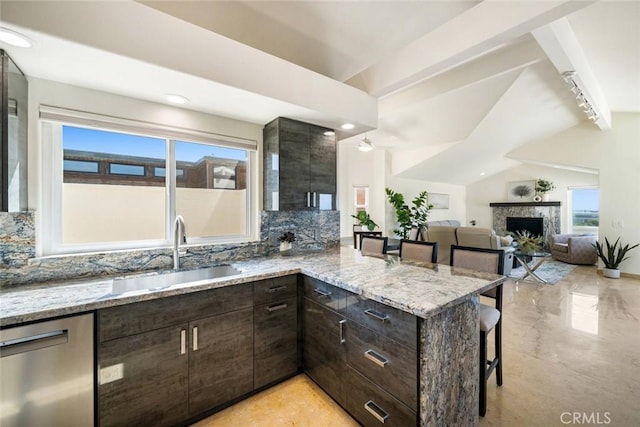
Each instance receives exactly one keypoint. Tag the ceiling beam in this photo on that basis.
(511, 58)
(486, 26)
(561, 46)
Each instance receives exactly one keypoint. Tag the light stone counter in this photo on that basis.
(423, 290)
(445, 299)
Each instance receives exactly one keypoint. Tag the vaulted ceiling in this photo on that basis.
(448, 88)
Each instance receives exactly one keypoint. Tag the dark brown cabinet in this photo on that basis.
(143, 379)
(163, 361)
(220, 359)
(299, 165)
(324, 337)
(362, 353)
(276, 332)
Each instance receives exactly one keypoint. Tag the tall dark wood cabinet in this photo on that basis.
(299, 164)
(13, 136)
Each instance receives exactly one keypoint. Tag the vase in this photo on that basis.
(611, 273)
(545, 197)
(285, 248)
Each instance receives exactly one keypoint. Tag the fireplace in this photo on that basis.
(535, 226)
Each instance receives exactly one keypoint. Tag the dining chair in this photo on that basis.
(490, 261)
(373, 245)
(419, 251)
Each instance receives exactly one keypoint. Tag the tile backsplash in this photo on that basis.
(314, 230)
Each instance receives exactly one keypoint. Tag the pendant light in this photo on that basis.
(365, 145)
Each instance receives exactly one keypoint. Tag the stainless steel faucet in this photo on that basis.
(179, 236)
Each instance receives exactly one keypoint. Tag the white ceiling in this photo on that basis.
(452, 87)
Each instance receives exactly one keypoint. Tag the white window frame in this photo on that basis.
(52, 119)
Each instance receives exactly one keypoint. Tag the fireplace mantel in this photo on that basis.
(516, 204)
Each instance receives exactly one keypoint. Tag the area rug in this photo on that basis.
(552, 271)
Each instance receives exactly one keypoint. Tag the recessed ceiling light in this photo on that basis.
(329, 133)
(14, 39)
(176, 99)
(482, 174)
(347, 126)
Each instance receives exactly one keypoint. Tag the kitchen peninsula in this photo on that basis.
(444, 300)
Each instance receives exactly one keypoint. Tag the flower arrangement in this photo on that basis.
(544, 186)
(288, 237)
(527, 242)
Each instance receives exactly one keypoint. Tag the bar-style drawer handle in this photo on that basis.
(195, 338)
(34, 342)
(342, 338)
(376, 315)
(376, 411)
(376, 358)
(276, 289)
(322, 292)
(183, 341)
(273, 308)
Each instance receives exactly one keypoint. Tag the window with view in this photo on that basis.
(585, 212)
(114, 189)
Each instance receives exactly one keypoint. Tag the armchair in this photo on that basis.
(574, 248)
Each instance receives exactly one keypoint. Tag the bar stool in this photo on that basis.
(419, 251)
(491, 261)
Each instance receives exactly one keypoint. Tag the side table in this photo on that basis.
(542, 256)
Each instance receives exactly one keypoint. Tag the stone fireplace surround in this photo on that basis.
(549, 211)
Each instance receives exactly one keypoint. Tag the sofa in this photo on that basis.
(574, 248)
(448, 233)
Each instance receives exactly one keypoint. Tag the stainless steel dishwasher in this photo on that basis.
(46, 373)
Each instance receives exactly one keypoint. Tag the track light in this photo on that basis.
(571, 77)
(365, 145)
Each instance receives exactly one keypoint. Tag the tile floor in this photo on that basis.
(571, 356)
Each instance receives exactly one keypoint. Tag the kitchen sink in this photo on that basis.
(161, 281)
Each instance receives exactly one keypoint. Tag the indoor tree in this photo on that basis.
(408, 217)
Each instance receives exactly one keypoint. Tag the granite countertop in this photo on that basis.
(420, 289)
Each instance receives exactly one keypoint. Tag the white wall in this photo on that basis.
(57, 94)
(494, 189)
(616, 154)
(373, 169)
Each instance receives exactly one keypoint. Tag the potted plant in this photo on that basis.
(527, 242)
(613, 256)
(286, 241)
(365, 220)
(409, 217)
(543, 187)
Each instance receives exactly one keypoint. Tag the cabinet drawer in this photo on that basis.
(131, 319)
(392, 366)
(267, 291)
(275, 341)
(325, 294)
(371, 406)
(391, 322)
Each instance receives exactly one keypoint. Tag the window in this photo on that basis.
(584, 212)
(80, 166)
(120, 169)
(114, 189)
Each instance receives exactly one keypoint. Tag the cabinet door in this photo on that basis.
(294, 165)
(322, 168)
(220, 359)
(324, 355)
(275, 341)
(143, 378)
